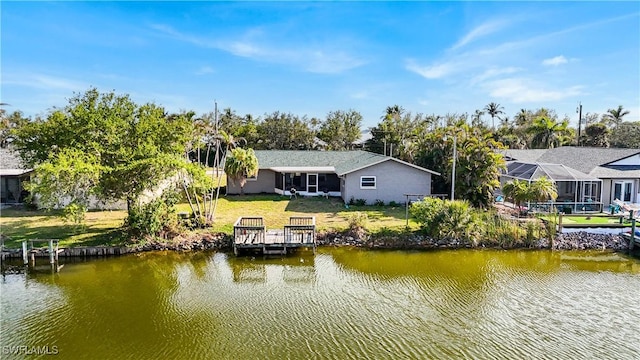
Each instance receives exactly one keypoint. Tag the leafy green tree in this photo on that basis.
(548, 133)
(596, 135)
(478, 165)
(135, 147)
(493, 109)
(626, 135)
(395, 134)
(341, 129)
(8, 125)
(67, 179)
(241, 164)
(615, 116)
(281, 131)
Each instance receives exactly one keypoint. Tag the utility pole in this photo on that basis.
(579, 111)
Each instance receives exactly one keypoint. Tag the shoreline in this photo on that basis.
(404, 241)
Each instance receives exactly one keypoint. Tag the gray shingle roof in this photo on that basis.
(588, 160)
(342, 161)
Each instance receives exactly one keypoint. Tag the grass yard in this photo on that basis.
(588, 220)
(275, 209)
(103, 227)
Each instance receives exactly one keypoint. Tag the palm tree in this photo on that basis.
(543, 189)
(241, 164)
(476, 118)
(493, 109)
(521, 117)
(547, 133)
(614, 116)
(517, 191)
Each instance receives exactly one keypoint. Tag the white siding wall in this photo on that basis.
(393, 180)
(265, 183)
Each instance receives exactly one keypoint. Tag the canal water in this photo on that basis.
(338, 304)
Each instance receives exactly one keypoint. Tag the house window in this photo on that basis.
(252, 178)
(367, 182)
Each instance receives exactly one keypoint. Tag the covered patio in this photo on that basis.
(577, 191)
(308, 181)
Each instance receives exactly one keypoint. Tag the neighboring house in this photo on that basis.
(345, 174)
(13, 173)
(587, 175)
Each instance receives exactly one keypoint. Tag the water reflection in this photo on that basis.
(288, 269)
(341, 303)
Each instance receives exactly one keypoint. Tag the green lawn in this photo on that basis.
(587, 220)
(103, 227)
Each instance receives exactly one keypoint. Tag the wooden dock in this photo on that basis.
(251, 235)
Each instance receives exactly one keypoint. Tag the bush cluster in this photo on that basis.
(444, 219)
(156, 218)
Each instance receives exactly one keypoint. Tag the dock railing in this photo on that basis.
(300, 230)
(249, 230)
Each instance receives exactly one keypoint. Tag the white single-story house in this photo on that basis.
(346, 174)
(583, 175)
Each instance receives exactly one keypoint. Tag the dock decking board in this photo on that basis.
(251, 234)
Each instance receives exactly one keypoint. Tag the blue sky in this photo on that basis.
(312, 58)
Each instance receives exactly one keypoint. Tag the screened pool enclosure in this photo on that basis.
(577, 191)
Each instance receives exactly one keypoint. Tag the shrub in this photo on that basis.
(378, 202)
(357, 221)
(74, 213)
(361, 202)
(153, 219)
(352, 201)
(393, 204)
(445, 219)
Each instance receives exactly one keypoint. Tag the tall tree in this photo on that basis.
(241, 164)
(615, 116)
(476, 118)
(478, 164)
(493, 109)
(282, 131)
(136, 147)
(395, 133)
(548, 133)
(596, 135)
(9, 123)
(341, 129)
(626, 135)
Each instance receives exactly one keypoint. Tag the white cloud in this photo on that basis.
(524, 90)
(431, 72)
(204, 70)
(43, 81)
(494, 72)
(479, 31)
(555, 61)
(254, 44)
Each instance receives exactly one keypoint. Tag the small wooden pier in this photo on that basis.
(251, 234)
(29, 252)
